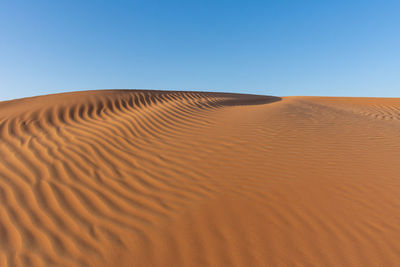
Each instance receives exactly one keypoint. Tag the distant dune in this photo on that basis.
(158, 178)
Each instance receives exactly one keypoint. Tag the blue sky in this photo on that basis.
(347, 48)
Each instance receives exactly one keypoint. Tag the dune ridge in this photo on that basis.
(162, 178)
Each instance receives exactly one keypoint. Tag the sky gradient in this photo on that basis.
(330, 48)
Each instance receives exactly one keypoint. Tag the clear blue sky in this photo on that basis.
(349, 48)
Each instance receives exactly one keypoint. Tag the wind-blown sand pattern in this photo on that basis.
(156, 178)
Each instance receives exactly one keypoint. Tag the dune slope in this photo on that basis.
(157, 178)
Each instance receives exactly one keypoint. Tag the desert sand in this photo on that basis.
(158, 178)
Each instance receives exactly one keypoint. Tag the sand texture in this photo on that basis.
(152, 178)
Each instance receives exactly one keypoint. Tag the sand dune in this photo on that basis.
(157, 178)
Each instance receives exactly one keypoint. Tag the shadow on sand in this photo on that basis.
(246, 100)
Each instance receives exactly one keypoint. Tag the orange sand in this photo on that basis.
(149, 178)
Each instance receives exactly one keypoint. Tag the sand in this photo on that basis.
(157, 178)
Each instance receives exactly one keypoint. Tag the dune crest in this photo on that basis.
(158, 178)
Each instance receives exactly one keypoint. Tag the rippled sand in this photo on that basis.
(157, 178)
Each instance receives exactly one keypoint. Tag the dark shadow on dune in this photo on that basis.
(246, 100)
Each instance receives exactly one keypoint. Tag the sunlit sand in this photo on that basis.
(158, 178)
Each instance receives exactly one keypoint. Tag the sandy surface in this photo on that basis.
(146, 178)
